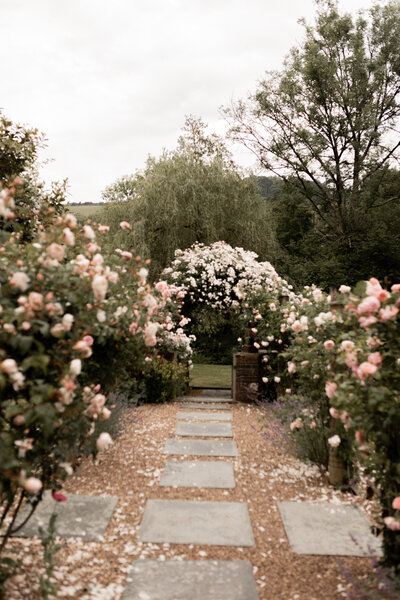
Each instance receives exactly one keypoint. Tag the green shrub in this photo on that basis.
(164, 380)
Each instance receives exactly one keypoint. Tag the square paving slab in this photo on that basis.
(205, 399)
(201, 447)
(328, 529)
(191, 522)
(86, 517)
(206, 406)
(195, 473)
(204, 416)
(204, 429)
(224, 392)
(191, 579)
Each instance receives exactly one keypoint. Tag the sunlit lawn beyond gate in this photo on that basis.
(211, 376)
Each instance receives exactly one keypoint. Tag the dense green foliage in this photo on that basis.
(326, 125)
(192, 194)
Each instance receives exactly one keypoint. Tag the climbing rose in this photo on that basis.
(388, 313)
(344, 289)
(347, 345)
(334, 441)
(150, 334)
(9, 366)
(20, 280)
(392, 523)
(370, 304)
(367, 368)
(99, 286)
(292, 367)
(329, 344)
(330, 389)
(75, 366)
(125, 225)
(396, 503)
(88, 232)
(33, 485)
(104, 441)
(55, 251)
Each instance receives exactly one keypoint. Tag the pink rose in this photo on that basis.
(330, 389)
(367, 321)
(67, 321)
(329, 344)
(70, 220)
(344, 289)
(388, 312)
(33, 485)
(333, 412)
(125, 225)
(68, 237)
(97, 260)
(104, 441)
(20, 280)
(57, 330)
(75, 367)
(396, 503)
(88, 232)
(370, 304)
(55, 251)
(345, 417)
(359, 437)
(375, 358)
(58, 497)
(19, 420)
(367, 368)
(9, 366)
(292, 367)
(347, 345)
(35, 301)
(150, 334)
(392, 523)
(99, 287)
(395, 288)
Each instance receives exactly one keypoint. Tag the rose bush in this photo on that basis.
(64, 304)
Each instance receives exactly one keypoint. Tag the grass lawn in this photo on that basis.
(85, 211)
(211, 376)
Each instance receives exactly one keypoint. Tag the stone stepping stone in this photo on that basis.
(222, 392)
(194, 473)
(205, 416)
(328, 529)
(86, 517)
(194, 579)
(201, 447)
(192, 522)
(205, 406)
(201, 399)
(203, 429)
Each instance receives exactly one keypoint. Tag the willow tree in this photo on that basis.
(194, 193)
(327, 123)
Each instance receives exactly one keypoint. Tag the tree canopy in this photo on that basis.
(327, 123)
(194, 193)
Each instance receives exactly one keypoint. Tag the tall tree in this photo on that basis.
(328, 122)
(193, 193)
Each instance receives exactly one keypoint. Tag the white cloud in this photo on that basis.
(111, 82)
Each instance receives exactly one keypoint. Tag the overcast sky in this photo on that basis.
(110, 81)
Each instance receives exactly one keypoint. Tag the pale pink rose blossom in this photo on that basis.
(26, 325)
(291, 367)
(333, 412)
(396, 503)
(9, 366)
(57, 330)
(70, 220)
(104, 441)
(334, 441)
(97, 260)
(344, 289)
(75, 366)
(373, 288)
(67, 321)
(105, 414)
(265, 379)
(35, 301)
(68, 237)
(88, 232)
(113, 276)
(55, 251)
(99, 287)
(101, 316)
(367, 321)
(347, 345)
(375, 358)
(388, 313)
(150, 334)
(373, 342)
(88, 340)
(277, 379)
(329, 344)
(330, 389)
(132, 328)
(395, 288)
(297, 424)
(359, 437)
(103, 228)
(392, 523)
(344, 417)
(33, 485)
(20, 280)
(368, 368)
(143, 273)
(370, 304)
(125, 225)
(19, 420)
